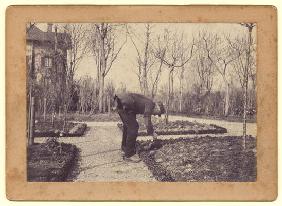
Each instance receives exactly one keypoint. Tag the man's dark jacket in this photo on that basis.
(137, 104)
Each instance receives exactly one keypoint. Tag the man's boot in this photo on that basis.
(135, 158)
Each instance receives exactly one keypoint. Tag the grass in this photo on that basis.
(201, 159)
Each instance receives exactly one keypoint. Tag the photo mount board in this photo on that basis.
(264, 189)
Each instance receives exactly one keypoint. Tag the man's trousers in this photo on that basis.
(130, 132)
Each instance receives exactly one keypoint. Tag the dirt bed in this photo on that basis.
(47, 129)
(179, 128)
(50, 162)
(201, 159)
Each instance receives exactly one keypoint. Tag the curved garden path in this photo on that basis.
(100, 156)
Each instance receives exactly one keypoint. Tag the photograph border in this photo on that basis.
(264, 189)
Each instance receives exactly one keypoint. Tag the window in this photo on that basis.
(48, 62)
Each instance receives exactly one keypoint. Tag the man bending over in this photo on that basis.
(128, 105)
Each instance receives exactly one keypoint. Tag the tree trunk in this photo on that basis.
(145, 68)
(168, 96)
(226, 106)
(181, 91)
(245, 113)
(104, 102)
(109, 105)
(101, 94)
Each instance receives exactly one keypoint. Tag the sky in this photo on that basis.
(124, 68)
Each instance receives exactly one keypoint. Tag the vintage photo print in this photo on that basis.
(131, 103)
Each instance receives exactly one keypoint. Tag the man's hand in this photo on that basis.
(155, 136)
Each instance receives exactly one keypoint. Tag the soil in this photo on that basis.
(201, 159)
(50, 161)
(46, 129)
(178, 127)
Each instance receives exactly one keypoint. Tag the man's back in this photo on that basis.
(137, 103)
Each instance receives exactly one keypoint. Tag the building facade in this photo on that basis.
(47, 63)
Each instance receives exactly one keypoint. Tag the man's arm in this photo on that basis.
(149, 126)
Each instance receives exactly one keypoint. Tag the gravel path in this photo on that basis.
(100, 157)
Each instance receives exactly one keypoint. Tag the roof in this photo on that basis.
(35, 34)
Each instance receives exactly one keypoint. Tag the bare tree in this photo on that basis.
(76, 35)
(169, 52)
(109, 90)
(74, 41)
(221, 57)
(87, 94)
(206, 48)
(145, 58)
(183, 53)
(244, 65)
(103, 42)
(247, 70)
(155, 78)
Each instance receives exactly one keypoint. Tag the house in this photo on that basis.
(47, 60)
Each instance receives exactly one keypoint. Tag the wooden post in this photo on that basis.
(246, 80)
(44, 109)
(31, 100)
(31, 123)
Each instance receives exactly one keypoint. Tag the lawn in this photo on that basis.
(214, 159)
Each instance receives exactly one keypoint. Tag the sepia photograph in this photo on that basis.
(142, 102)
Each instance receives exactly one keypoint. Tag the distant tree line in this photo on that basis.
(207, 57)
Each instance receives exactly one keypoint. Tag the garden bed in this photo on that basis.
(50, 162)
(178, 128)
(215, 159)
(105, 117)
(46, 129)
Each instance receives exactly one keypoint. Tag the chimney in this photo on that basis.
(49, 27)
